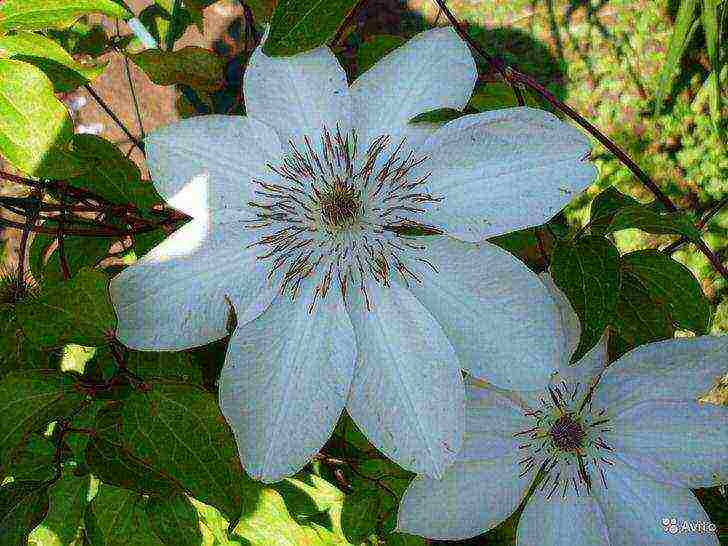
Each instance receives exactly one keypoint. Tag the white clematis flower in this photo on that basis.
(301, 211)
(616, 463)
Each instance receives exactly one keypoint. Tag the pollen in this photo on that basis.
(331, 216)
(567, 434)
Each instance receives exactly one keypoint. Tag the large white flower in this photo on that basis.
(303, 212)
(616, 463)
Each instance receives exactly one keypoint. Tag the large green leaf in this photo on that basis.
(23, 505)
(638, 319)
(30, 400)
(68, 500)
(117, 517)
(201, 69)
(63, 70)
(174, 520)
(35, 126)
(649, 220)
(685, 25)
(177, 366)
(33, 460)
(302, 25)
(78, 311)
(587, 271)
(40, 14)
(111, 174)
(670, 285)
(179, 431)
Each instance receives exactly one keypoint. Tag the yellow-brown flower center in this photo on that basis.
(567, 434)
(340, 207)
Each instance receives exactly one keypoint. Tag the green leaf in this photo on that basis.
(63, 70)
(79, 252)
(179, 431)
(78, 311)
(361, 513)
(157, 21)
(144, 242)
(177, 366)
(118, 518)
(33, 460)
(587, 271)
(16, 351)
(23, 505)
(29, 400)
(302, 25)
(83, 39)
(439, 115)
(711, 27)
(111, 174)
(40, 14)
(605, 206)
(35, 127)
(685, 25)
(670, 284)
(84, 419)
(647, 219)
(375, 48)
(68, 500)
(638, 319)
(496, 95)
(174, 520)
(402, 539)
(116, 465)
(199, 68)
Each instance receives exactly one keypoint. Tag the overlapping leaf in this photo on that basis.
(117, 517)
(23, 505)
(199, 68)
(40, 14)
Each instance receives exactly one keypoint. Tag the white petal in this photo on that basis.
(574, 520)
(679, 442)
(492, 417)
(225, 151)
(470, 499)
(407, 395)
(174, 298)
(435, 69)
(593, 362)
(502, 170)
(674, 369)
(497, 314)
(635, 507)
(285, 381)
(298, 95)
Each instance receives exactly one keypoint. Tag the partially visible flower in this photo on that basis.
(616, 459)
(303, 215)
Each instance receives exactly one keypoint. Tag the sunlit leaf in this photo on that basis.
(40, 14)
(647, 219)
(587, 271)
(711, 28)
(63, 70)
(302, 25)
(78, 311)
(35, 126)
(685, 25)
(199, 68)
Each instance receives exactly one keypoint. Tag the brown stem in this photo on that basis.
(61, 254)
(674, 247)
(513, 76)
(113, 116)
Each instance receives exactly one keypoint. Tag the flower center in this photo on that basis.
(332, 216)
(340, 209)
(567, 433)
(566, 442)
